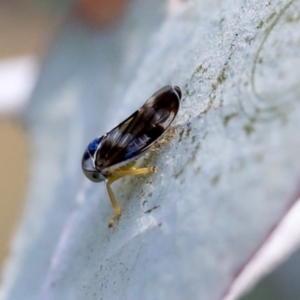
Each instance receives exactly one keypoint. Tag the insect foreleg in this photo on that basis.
(114, 203)
(157, 145)
(117, 174)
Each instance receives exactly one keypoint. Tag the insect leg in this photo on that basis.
(132, 171)
(117, 174)
(114, 203)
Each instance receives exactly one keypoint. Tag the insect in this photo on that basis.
(113, 155)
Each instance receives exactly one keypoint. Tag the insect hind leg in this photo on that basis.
(165, 139)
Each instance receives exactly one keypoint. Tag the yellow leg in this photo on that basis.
(117, 174)
(114, 203)
(132, 171)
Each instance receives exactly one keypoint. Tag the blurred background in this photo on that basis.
(26, 29)
(25, 26)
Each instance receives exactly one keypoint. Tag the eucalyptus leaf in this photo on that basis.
(226, 178)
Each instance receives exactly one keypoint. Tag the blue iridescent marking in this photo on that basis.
(131, 152)
(94, 145)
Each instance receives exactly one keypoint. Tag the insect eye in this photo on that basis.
(94, 176)
(94, 145)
